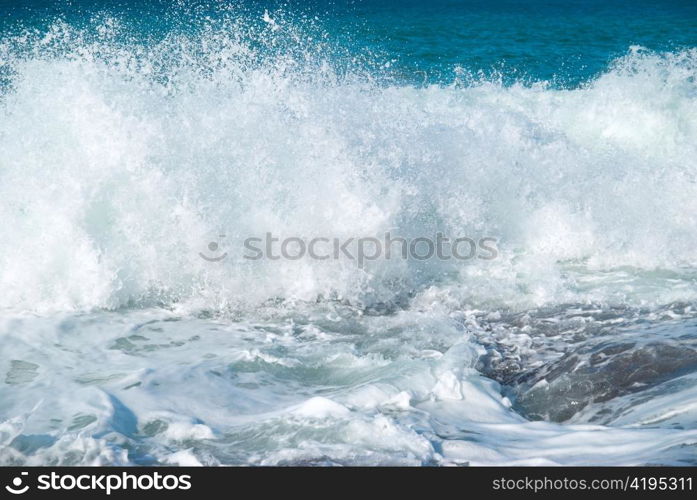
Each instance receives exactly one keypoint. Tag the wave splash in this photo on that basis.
(123, 160)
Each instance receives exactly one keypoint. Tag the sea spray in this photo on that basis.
(125, 158)
(120, 159)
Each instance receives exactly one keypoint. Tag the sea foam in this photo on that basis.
(123, 160)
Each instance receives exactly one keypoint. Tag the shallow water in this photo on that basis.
(133, 139)
(332, 386)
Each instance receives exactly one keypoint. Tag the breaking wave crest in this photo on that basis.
(122, 158)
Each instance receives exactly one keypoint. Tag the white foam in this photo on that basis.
(120, 164)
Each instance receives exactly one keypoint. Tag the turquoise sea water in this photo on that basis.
(561, 41)
(142, 143)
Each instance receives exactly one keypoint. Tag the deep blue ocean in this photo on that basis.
(144, 145)
(560, 41)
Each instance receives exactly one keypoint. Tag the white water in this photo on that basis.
(120, 344)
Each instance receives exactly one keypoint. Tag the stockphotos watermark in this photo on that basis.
(100, 482)
(358, 249)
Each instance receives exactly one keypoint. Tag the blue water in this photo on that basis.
(561, 41)
(141, 143)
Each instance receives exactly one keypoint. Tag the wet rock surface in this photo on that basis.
(555, 364)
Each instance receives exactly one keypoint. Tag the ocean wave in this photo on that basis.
(123, 159)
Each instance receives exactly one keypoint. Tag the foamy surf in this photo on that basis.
(122, 160)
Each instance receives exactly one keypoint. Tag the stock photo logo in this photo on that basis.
(17, 487)
(359, 250)
(214, 251)
(99, 482)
